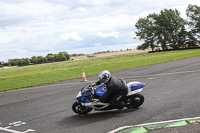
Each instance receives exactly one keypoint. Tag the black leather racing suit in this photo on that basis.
(116, 91)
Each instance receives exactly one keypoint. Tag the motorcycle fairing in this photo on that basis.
(100, 90)
(97, 105)
(81, 97)
(134, 87)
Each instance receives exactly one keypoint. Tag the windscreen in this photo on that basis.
(87, 91)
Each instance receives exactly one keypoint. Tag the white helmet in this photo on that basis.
(104, 76)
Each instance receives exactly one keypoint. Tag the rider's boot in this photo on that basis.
(120, 105)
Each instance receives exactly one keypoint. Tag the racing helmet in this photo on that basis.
(104, 76)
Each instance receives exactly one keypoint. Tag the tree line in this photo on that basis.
(168, 30)
(61, 56)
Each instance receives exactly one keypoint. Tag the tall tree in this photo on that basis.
(172, 26)
(61, 56)
(27, 60)
(193, 13)
(50, 58)
(41, 59)
(66, 55)
(33, 59)
(146, 32)
(191, 40)
(166, 29)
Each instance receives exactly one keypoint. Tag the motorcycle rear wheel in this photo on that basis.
(78, 108)
(135, 101)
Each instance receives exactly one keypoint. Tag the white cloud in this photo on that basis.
(42, 26)
(82, 9)
(95, 2)
(72, 36)
(4, 39)
(105, 35)
(97, 44)
(30, 8)
(21, 51)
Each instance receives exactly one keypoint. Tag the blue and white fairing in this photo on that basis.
(134, 87)
(100, 90)
(86, 91)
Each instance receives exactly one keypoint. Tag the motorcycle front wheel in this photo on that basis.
(135, 101)
(78, 108)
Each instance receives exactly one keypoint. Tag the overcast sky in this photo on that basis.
(38, 27)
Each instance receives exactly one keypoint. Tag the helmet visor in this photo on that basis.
(101, 80)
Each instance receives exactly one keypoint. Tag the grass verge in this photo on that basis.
(34, 75)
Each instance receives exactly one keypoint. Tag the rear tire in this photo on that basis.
(135, 101)
(78, 108)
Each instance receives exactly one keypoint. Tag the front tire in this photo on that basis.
(78, 108)
(135, 101)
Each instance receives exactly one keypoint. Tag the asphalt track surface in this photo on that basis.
(172, 92)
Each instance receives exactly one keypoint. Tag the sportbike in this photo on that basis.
(86, 98)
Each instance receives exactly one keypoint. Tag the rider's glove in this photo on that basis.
(92, 84)
(95, 100)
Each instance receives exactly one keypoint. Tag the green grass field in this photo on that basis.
(33, 75)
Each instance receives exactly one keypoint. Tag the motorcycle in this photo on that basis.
(87, 98)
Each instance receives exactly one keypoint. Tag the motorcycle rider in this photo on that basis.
(116, 89)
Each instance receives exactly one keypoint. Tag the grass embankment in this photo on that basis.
(33, 75)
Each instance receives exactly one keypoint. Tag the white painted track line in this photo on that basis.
(169, 121)
(163, 74)
(153, 123)
(9, 130)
